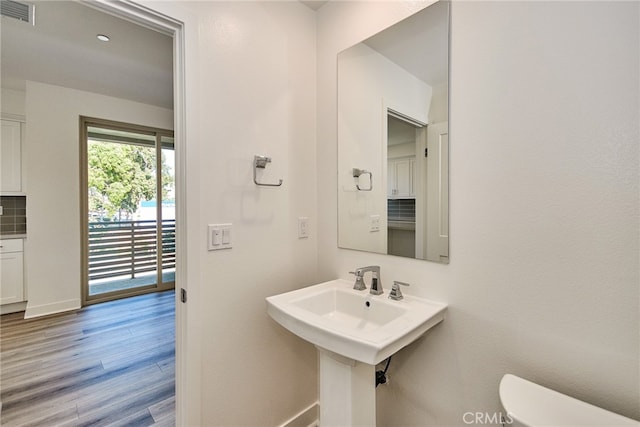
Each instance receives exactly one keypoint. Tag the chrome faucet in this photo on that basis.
(376, 283)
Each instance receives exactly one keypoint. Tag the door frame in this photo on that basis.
(187, 406)
(85, 123)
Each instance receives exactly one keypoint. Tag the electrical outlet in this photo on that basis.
(303, 227)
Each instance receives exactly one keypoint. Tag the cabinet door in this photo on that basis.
(391, 179)
(10, 157)
(404, 178)
(11, 277)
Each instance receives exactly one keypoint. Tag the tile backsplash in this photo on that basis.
(401, 209)
(14, 215)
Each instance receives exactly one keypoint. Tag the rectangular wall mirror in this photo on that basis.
(393, 139)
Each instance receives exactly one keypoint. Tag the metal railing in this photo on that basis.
(129, 247)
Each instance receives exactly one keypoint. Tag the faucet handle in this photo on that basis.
(359, 284)
(395, 293)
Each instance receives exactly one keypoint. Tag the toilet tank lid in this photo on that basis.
(533, 405)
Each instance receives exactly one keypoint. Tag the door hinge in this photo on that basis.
(183, 295)
(426, 152)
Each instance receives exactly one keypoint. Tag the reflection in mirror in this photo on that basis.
(393, 123)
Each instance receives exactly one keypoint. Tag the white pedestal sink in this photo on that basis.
(353, 331)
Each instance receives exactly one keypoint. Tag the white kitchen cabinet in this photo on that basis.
(401, 178)
(11, 271)
(11, 157)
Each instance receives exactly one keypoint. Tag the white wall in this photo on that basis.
(439, 110)
(258, 66)
(370, 84)
(406, 149)
(544, 272)
(13, 102)
(250, 90)
(52, 251)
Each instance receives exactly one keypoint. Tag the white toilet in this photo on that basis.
(529, 404)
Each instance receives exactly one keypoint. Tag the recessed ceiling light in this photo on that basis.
(103, 38)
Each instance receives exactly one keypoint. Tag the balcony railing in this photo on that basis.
(128, 248)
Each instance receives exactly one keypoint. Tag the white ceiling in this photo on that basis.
(419, 43)
(62, 49)
(399, 132)
(314, 4)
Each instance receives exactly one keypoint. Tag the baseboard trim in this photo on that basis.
(13, 307)
(52, 308)
(308, 417)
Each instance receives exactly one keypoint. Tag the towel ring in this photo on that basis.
(357, 173)
(261, 162)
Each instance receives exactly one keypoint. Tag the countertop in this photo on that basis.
(401, 225)
(12, 236)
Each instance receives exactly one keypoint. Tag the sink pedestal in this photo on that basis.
(347, 391)
(353, 330)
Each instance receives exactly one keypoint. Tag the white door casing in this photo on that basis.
(438, 191)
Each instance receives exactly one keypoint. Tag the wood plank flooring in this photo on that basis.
(110, 364)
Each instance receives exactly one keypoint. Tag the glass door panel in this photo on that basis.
(130, 245)
(168, 210)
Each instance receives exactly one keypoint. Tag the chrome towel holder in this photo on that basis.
(356, 174)
(261, 162)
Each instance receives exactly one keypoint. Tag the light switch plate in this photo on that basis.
(303, 227)
(219, 236)
(374, 223)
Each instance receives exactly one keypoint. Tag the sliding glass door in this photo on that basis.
(128, 209)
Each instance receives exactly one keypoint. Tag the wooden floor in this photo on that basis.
(107, 364)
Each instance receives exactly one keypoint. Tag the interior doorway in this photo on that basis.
(187, 399)
(187, 404)
(405, 185)
(63, 50)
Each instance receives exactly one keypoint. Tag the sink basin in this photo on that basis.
(354, 324)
